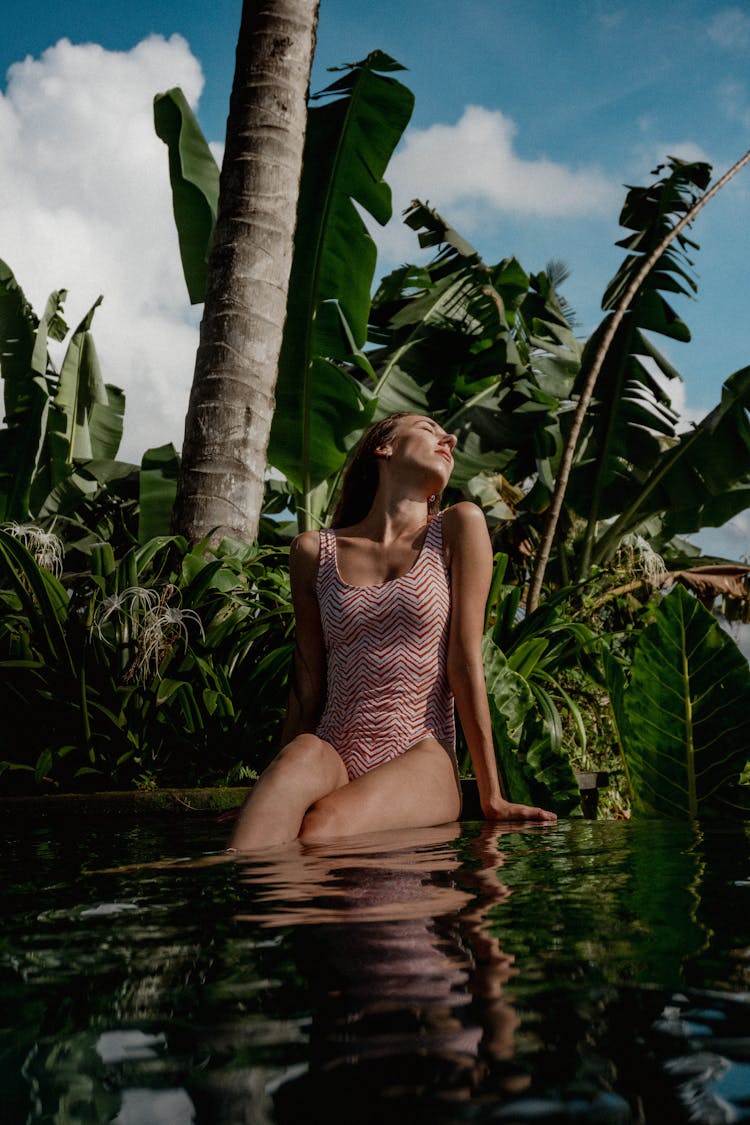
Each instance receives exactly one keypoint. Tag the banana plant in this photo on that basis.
(703, 480)
(633, 469)
(682, 714)
(53, 418)
(320, 408)
(58, 449)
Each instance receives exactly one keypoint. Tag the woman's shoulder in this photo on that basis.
(465, 533)
(304, 550)
(306, 543)
(463, 516)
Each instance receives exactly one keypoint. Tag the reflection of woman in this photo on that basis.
(389, 606)
(404, 981)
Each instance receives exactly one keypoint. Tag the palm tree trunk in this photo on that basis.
(220, 489)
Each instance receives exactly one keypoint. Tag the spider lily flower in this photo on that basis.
(132, 604)
(162, 629)
(155, 627)
(45, 547)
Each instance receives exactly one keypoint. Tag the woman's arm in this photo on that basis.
(308, 677)
(469, 555)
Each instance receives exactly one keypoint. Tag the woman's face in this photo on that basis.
(419, 442)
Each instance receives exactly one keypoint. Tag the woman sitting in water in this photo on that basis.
(389, 606)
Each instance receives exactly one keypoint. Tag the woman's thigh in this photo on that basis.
(415, 790)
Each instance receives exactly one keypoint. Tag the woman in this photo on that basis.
(389, 606)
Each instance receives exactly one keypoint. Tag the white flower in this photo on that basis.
(642, 557)
(45, 547)
(132, 604)
(152, 625)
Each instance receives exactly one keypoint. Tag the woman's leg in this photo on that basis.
(416, 790)
(306, 769)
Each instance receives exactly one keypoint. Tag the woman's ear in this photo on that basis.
(383, 451)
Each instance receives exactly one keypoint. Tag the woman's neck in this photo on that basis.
(392, 519)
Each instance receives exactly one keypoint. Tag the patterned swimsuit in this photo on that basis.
(386, 648)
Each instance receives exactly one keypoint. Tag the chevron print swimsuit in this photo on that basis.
(386, 651)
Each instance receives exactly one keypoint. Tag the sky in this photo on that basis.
(531, 119)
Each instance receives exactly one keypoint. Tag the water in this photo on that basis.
(584, 972)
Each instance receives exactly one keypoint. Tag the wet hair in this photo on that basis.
(361, 478)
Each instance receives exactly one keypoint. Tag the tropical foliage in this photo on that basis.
(636, 465)
(62, 433)
(683, 713)
(492, 353)
(151, 665)
(523, 661)
(146, 655)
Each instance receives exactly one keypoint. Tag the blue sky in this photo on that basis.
(530, 118)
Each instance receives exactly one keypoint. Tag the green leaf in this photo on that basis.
(157, 488)
(80, 392)
(25, 391)
(194, 176)
(703, 480)
(686, 734)
(105, 423)
(44, 599)
(527, 730)
(348, 145)
(510, 701)
(525, 657)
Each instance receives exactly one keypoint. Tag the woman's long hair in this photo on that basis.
(361, 478)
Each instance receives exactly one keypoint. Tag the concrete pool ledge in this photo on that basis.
(126, 803)
(211, 802)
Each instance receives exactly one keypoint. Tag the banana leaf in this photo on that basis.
(320, 407)
(194, 177)
(630, 422)
(703, 480)
(686, 714)
(461, 340)
(157, 487)
(85, 418)
(26, 390)
(80, 387)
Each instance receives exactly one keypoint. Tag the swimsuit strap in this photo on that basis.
(434, 536)
(327, 550)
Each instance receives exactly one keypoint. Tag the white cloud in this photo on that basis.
(734, 101)
(471, 173)
(87, 207)
(730, 29)
(730, 541)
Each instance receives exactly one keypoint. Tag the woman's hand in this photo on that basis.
(497, 808)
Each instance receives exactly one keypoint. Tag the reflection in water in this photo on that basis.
(409, 996)
(587, 971)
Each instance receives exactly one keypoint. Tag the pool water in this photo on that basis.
(589, 971)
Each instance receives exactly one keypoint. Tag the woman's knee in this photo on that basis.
(324, 820)
(304, 751)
